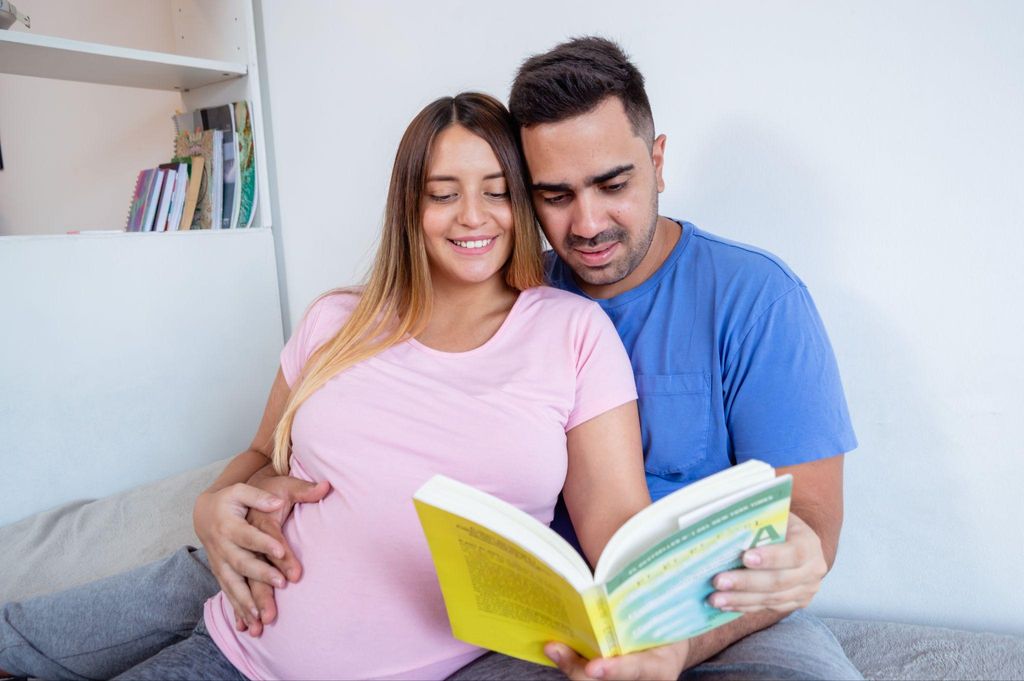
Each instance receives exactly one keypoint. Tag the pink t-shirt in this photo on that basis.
(368, 604)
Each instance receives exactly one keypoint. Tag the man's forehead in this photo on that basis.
(585, 146)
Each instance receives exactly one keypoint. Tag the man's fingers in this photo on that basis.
(286, 562)
(778, 601)
(263, 595)
(571, 664)
(254, 497)
(663, 662)
(251, 566)
(309, 492)
(259, 540)
(237, 591)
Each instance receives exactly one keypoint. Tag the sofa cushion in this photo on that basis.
(85, 540)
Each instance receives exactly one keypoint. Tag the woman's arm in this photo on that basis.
(605, 485)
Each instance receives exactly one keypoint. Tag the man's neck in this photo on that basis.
(667, 233)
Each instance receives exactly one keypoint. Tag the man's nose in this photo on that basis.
(586, 222)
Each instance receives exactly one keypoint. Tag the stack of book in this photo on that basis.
(211, 181)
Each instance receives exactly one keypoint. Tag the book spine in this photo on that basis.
(595, 600)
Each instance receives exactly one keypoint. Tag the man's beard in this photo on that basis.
(621, 267)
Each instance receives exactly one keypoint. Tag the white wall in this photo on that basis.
(877, 147)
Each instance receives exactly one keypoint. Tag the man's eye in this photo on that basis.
(556, 199)
(614, 187)
(442, 198)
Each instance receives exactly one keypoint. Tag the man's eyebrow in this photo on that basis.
(589, 182)
(548, 187)
(451, 178)
(614, 172)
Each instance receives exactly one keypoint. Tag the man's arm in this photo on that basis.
(785, 578)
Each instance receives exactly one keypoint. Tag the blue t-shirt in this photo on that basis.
(731, 360)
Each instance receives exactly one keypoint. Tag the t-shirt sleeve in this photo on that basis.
(305, 339)
(784, 401)
(604, 376)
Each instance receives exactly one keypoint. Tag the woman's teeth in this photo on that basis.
(473, 244)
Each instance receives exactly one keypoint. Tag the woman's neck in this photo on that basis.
(465, 317)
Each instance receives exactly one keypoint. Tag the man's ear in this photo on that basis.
(658, 158)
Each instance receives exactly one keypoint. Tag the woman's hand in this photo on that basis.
(779, 577)
(235, 548)
(664, 662)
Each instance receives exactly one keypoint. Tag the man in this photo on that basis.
(731, 358)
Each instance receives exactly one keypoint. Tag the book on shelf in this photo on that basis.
(246, 164)
(195, 165)
(222, 118)
(137, 208)
(153, 202)
(163, 210)
(512, 584)
(238, 190)
(208, 145)
(179, 173)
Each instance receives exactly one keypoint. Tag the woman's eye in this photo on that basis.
(496, 195)
(442, 198)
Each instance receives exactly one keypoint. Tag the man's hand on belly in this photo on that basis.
(246, 547)
(293, 491)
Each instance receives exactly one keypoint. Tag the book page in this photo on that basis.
(660, 519)
(661, 597)
(500, 596)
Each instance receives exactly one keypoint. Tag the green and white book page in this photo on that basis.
(661, 595)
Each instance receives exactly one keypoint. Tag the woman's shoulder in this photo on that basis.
(551, 305)
(329, 311)
(339, 301)
(556, 298)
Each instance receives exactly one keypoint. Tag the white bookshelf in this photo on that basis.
(41, 56)
(145, 354)
(206, 56)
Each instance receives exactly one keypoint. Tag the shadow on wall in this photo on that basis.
(756, 186)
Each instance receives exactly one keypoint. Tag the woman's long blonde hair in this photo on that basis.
(395, 302)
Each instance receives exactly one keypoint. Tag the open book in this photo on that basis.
(511, 584)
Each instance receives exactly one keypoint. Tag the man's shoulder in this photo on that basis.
(742, 260)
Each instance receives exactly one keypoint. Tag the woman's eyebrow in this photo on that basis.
(451, 178)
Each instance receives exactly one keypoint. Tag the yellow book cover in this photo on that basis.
(511, 584)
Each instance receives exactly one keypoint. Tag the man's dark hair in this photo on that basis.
(573, 78)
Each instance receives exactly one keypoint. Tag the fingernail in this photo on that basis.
(753, 559)
(598, 673)
(555, 655)
(293, 575)
(719, 602)
(255, 613)
(278, 553)
(724, 583)
(279, 583)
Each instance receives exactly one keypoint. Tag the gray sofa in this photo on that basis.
(85, 540)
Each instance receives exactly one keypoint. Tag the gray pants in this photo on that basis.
(153, 615)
